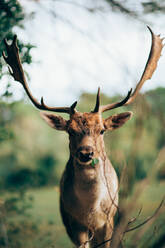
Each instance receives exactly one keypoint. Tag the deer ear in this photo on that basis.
(116, 121)
(54, 121)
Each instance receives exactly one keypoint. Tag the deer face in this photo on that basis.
(86, 132)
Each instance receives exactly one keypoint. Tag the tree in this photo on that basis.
(145, 7)
(137, 9)
(12, 15)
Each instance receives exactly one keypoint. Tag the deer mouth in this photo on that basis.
(85, 155)
(85, 159)
(92, 162)
(84, 163)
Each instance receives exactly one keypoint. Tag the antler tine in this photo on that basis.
(97, 106)
(154, 55)
(72, 108)
(117, 104)
(16, 71)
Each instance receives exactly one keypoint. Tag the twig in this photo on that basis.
(135, 218)
(86, 242)
(148, 219)
(104, 242)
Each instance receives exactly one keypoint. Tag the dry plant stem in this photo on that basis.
(120, 183)
(160, 159)
(88, 241)
(148, 219)
(104, 242)
(133, 228)
(135, 218)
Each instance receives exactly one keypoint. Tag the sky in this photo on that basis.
(77, 51)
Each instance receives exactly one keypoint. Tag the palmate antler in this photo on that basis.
(150, 67)
(13, 60)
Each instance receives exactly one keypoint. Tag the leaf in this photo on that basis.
(94, 161)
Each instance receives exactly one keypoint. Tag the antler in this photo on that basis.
(150, 67)
(13, 60)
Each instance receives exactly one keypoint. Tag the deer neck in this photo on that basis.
(89, 180)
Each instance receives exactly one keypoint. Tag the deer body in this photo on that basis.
(86, 201)
(89, 194)
(89, 190)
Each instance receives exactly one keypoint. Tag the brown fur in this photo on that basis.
(89, 194)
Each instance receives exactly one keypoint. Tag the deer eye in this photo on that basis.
(73, 132)
(102, 131)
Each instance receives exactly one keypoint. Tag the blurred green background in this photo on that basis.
(33, 156)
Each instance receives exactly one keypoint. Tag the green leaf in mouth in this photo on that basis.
(94, 161)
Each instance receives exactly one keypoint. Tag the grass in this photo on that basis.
(148, 201)
(46, 212)
(46, 208)
(46, 215)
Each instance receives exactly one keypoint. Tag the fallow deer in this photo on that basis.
(89, 185)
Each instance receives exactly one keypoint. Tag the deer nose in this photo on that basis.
(85, 153)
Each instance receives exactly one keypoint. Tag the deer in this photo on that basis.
(89, 184)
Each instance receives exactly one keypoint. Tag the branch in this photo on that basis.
(104, 242)
(148, 219)
(133, 220)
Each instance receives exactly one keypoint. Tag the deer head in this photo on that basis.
(85, 129)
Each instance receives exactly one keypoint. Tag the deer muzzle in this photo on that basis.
(85, 154)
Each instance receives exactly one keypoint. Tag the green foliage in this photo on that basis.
(23, 164)
(153, 7)
(24, 178)
(94, 161)
(12, 15)
(12, 233)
